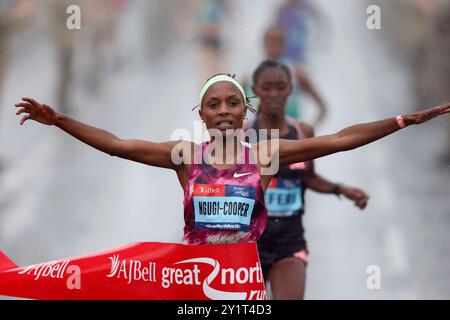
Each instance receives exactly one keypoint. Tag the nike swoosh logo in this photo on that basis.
(238, 175)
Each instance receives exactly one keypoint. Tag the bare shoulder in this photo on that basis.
(299, 69)
(300, 72)
(308, 130)
(186, 150)
(265, 148)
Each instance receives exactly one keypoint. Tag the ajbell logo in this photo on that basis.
(132, 270)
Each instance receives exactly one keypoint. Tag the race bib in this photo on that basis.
(223, 207)
(283, 197)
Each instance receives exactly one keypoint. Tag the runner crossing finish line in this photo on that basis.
(148, 270)
(238, 194)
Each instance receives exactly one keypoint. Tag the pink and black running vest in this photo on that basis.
(284, 234)
(224, 205)
(285, 194)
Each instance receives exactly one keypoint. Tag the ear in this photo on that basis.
(200, 113)
(255, 91)
(290, 89)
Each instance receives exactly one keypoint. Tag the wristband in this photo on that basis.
(335, 189)
(400, 121)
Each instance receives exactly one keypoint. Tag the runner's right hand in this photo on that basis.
(41, 113)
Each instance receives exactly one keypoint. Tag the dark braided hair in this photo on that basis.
(247, 99)
(269, 64)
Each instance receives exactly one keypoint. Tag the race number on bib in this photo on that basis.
(283, 197)
(223, 207)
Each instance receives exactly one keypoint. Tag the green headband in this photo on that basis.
(219, 78)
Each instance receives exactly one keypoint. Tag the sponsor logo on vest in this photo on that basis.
(209, 190)
(238, 175)
(243, 193)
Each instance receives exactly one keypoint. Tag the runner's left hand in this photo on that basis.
(358, 196)
(428, 114)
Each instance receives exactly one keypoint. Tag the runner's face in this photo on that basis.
(223, 107)
(273, 88)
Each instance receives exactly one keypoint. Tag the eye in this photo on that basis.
(234, 103)
(282, 86)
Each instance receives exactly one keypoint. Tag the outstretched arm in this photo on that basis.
(318, 183)
(292, 151)
(150, 153)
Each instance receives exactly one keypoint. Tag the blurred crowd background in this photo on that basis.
(135, 68)
(419, 33)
